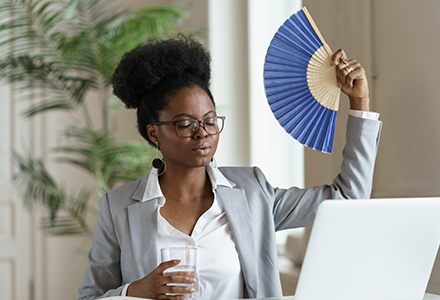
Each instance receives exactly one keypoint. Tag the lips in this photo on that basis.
(202, 149)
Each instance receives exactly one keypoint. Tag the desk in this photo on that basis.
(427, 297)
(431, 297)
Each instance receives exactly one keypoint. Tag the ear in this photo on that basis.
(152, 133)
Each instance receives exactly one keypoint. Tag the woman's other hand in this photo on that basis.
(154, 285)
(352, 80)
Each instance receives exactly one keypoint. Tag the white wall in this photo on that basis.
(239, 35)
(228, 44)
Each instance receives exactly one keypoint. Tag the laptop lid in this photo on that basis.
(380, 249)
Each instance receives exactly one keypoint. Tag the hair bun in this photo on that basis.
(144, 67)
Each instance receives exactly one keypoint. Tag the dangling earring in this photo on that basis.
(158, 163)
(214, 162)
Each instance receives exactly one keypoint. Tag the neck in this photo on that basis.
(185, 184)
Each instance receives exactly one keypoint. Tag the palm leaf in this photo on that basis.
(68, 48)
(37, 27)
(106, 160)
(33, 180)
(36, 185)
(97, 155)
(75, 46)
(62, 225)
(74, 222)
(66, 91)
(36, 21)
(123, 34)
(134, 160)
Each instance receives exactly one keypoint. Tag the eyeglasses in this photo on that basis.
(188, 127)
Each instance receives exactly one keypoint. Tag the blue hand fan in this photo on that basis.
(300, 85)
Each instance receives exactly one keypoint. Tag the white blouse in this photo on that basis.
(219, 273)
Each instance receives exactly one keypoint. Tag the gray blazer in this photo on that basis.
(125, 243)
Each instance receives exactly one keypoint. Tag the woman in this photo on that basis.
(229, 214)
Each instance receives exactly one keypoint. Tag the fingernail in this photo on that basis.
(191, 290)
(339, 85)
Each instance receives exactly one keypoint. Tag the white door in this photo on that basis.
(15, 223)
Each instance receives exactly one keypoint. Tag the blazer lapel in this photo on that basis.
(142, 220)
(237, 210)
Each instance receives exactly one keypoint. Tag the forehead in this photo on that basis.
(189, 102)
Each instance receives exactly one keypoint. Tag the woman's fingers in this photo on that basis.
(173, 277)
(166, 265)
(338, 56)
(160, 283)
(171, 297)
(169, 290)
(347, 72)
(178, 277)
(167, 280)
(173, 289)
(351, 79)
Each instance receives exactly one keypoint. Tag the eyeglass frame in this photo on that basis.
(202, 122)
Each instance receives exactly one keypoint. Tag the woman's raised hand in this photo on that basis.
(154, 285)
(352, 80)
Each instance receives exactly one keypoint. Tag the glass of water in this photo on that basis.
(188, 263)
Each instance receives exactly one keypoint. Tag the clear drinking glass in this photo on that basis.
(188, 263)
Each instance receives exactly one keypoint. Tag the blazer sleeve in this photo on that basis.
(104, 271)
(296, 207)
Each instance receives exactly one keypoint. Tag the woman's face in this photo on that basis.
(191, 152)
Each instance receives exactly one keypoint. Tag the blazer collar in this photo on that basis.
(139, 193)
(216, 176)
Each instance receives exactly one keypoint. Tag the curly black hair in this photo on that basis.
(149, 74)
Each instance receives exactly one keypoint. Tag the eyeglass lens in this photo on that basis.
(187, 128)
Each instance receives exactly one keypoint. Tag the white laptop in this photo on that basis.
(377, 249)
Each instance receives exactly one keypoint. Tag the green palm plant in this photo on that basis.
(69, 49)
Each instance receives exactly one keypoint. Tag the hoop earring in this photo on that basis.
(214, 162)
(158, 164)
